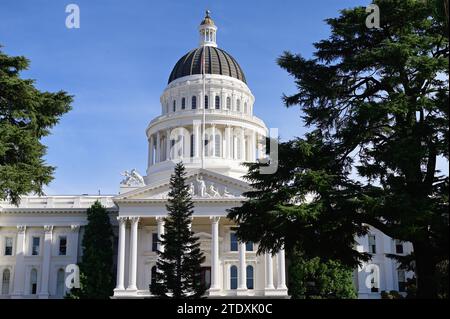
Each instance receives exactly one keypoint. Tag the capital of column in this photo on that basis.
(214, 219)
(21, 229)
(48, 228)
(122, 220)
(74, 228)
(134, 219)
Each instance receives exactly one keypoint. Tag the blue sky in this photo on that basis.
(117, 65)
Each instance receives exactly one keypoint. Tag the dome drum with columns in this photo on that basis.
(218, 101)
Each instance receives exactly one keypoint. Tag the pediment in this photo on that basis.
(204, 185)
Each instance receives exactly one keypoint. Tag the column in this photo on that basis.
(253, 146)
(215, 253)
(158, 148)
(196, 138)
(133, 253)
(269, 271)
(242, 280)
(150, 151)
(48, 236)
(228, 142)
(213, 148)
(281, 282)
(167, 144)
(160, 221)
(121, 254)
(242, 146)
(19, 271)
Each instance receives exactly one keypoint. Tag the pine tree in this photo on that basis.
(96, 268)
(179, 264)
(26, 116)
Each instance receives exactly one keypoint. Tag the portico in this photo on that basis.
(135, 269)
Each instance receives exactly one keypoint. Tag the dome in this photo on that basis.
(217, 61)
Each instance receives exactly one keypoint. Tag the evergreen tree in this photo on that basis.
(26, 116)
(376, 101)
(96, 267)
(179, 264)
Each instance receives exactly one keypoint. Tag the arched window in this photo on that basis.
(183, 103)
(33, 281)
(250, 279)
(238, 105)
(217, 102)
(233, 277)
(206, 101)
(228, 103)
(217, 149)
(174, 108)
(207, 145)
(194, 102)
(5, 281)
(60, 278)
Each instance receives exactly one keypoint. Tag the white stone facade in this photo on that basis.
(43, 235)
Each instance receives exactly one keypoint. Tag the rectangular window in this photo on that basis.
(35, 246)
(372, 244)
(154, 241)
(249, 246)
(233, 242)
(8, 246)
(398, 247)
(183, 103)
(401, 280)
(206, 101)
(62, 245)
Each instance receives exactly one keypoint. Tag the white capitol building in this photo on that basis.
(43, 235)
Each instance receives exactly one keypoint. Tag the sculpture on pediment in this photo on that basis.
(226, 193)
(201, 186)
(191, 190)
(132, 178)
(212, 191)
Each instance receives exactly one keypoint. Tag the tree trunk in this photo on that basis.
(425, 271)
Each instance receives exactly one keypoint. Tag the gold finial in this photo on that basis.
(207, 19)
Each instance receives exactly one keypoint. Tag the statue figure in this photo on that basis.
(226, 193)
(139, 180)
(191, 189)
(212, 191)
(132, 178)
(201, 186)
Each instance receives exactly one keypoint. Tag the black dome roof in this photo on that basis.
(217, 61)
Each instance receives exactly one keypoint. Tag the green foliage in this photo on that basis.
(96, 268)
(393, 294)
(26, 116)
(316, 279)
(179, 265)
(376, 102)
